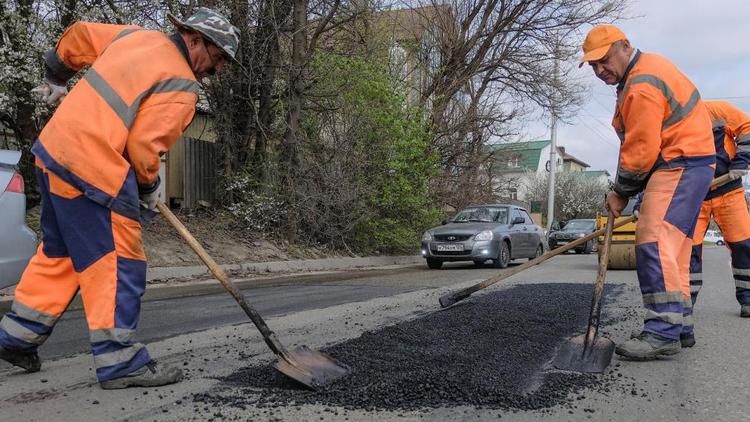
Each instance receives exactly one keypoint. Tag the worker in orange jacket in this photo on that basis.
(667, 152)
(727, 204)
(97, 158)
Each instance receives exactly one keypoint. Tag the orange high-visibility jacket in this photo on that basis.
(131, 105)
(661, 122)
(731, 128)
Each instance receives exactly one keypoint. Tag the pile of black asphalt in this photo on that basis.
(490, 351)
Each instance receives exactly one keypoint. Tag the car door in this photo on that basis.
(518, 239)
(534, 233)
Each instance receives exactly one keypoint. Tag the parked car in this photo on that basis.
(574, 230)
(714, 236)
(18, 242)
(480, 233)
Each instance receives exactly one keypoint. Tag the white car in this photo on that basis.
(715, 237)
(17, 241)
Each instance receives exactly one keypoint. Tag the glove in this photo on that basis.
(50, 92)
(149, 200)
(735, 174)
(149, 195)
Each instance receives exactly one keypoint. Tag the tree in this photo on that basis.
(487, 64)
(576, 195)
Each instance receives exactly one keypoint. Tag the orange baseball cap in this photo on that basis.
(598, 41)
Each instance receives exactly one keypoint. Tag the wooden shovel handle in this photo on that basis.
(220, 275)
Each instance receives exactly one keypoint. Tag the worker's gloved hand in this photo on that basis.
(735, 174)
(50, 92)
(149, 195)
(149, 200)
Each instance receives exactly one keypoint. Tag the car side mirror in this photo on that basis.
(517, 220)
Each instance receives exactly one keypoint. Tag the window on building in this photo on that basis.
(514, 162)
(513, 193)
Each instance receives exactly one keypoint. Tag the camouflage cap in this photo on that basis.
(213, 26)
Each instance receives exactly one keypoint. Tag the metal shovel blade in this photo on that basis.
(309, 367)
(594, 359)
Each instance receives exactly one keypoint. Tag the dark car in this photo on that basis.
(574, 230)
(17, 242)
(496, 232)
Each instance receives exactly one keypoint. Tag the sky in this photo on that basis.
(708, 40)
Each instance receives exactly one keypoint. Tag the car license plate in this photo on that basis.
(451, 247)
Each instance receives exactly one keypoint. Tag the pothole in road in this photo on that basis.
(491, 351)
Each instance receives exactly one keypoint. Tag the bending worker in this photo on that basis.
(668, 153)
(727, 204)
(97, 155)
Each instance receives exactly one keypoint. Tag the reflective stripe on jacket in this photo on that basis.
(131, 105)
(661, 122)
(731, 128)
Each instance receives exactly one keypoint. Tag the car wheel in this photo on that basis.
(719, 243)
(539, 252)
(503, 256)
(434, 264)
(589, 247)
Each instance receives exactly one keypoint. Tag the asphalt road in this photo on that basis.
(706, 382)
(166, 318)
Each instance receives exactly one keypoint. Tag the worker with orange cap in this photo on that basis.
(667, 152)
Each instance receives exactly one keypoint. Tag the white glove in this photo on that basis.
(50, 92)
(149, 200)
(735, 174)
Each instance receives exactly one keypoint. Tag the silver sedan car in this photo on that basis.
(496, 233)
(18, 242)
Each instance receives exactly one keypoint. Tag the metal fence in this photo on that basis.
(199, 179)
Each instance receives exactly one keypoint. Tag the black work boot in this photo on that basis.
(28, 361)
(150, 375)
(686, 340)
(745, 311)
(647, 346)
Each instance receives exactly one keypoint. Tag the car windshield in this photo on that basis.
(579, 225)
(484, 214)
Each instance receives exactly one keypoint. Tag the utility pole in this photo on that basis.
(552, 152)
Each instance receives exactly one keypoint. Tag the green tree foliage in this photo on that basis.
(370, 152)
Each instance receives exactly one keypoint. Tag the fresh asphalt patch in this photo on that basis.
(490, 351)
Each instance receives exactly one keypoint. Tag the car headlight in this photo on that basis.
(484, 235)
(581, 234)
(426, 237)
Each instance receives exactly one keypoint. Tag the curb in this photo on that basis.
(328, 264)
(300, 270)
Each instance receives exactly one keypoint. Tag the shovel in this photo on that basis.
(449, 299)
(311, 368)
(587, 352)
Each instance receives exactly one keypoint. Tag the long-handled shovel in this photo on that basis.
(587, 352)
(309, 367)
(451, 298)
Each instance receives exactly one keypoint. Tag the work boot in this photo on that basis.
(686, 340)
(647, 346)
(28, 361)
(745, 311)
(150, 375)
